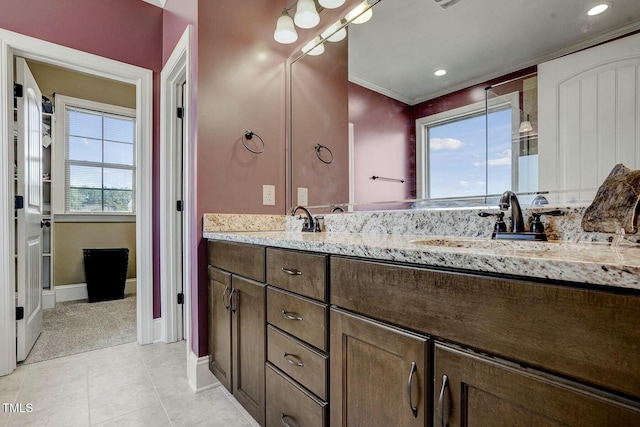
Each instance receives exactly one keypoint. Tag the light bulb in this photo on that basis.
(285, 32)
(331, 4)
(362, 13)
(596, 10)
(306, 14)
(313, 50)
(332, 35)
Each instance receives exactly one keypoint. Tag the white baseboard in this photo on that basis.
(198, 373)
(79, 291)
(157, 329)
(48, 299)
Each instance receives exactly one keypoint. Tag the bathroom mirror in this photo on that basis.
(380, 79)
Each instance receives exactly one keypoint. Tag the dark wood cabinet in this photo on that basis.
(474, 390)
(237, 324)
(379, 374)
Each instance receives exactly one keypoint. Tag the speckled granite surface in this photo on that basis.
(593, 263)
(572, 255)
(242, 222)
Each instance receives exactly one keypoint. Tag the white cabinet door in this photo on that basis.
(29, 239)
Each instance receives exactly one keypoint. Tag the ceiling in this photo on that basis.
(398, 50)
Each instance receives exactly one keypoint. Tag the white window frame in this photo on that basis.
(59, 156)
(422, 136)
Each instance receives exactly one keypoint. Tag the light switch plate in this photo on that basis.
(303, 196)
(268, 195)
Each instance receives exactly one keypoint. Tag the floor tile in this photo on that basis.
(50, 394)
(72, 414)
(211, 408)
(121, 401)
(149, 416)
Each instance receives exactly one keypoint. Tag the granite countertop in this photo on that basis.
(593, 263)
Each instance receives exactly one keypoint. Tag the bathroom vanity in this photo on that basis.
(391, 330)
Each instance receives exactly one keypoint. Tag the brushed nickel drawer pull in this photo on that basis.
(291, 316)
(291, 271)
(288, 357)
(231, 300)
(414, 409)
(284, 423)
(443, 403)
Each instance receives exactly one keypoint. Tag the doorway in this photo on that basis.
(16, 45)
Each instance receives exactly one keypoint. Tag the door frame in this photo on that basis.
(174, 253)
(14, 44)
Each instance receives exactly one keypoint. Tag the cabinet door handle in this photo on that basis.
(225, 292)
(283, 420)
(291, 316)
(414, 409)
(233, 306)
(443, 403)
(291, 271)
(289, 358)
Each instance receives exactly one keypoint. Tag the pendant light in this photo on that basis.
(313, 48)
(525, 126)
(285, 32)
(332, 33)
(331, 4)
(306, 14)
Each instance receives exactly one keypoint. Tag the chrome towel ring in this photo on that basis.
(249, 135)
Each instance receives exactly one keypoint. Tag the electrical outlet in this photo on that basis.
(268, 195)
(303, 196)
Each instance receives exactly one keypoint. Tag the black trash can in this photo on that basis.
(106, 272)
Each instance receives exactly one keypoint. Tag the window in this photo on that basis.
(99, 158)
(464, 153)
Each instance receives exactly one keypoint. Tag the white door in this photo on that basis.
(180, 217)
(29, 239)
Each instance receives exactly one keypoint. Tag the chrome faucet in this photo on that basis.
(309, 223)
(509, 198)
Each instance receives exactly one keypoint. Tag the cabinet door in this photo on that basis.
(472, 390)
(378, 374)
(248, 307)
(220, 325)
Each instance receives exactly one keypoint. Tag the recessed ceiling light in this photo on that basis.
(596, 10)
(440, 73)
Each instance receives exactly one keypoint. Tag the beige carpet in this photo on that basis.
(74, 327)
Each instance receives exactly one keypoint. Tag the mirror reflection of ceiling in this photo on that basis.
(406, 41)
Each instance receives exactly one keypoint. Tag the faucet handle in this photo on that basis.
(536, 225)
(500, 226)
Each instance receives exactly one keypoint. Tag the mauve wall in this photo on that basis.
(241, 86)
(384, 145)
(320, 115)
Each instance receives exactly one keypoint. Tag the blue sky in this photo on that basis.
(458, 157)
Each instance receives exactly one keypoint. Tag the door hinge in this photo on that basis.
(180, 112)
(17, 90)
(179, 206)
(19, 313)
(180, 298)
(19, 202)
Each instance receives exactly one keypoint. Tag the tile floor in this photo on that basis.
(127, 385)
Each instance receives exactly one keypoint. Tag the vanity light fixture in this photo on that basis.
(597, 10)
(361, 14)
(330, 34)
(440, 73)
(306, 14)
(331, 4)
(285, 32)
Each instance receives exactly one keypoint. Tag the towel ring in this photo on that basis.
(249, 135)
(320, 147)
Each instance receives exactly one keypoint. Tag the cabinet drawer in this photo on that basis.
(301, 317)
(585, 334)
(288, 403)
(299, 361)
(240, 258)
(302, 273)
